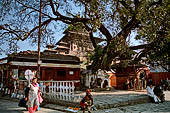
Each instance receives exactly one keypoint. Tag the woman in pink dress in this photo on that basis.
(33, 99)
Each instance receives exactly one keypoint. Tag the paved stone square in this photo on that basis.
(142, 108)
(117, 98)
(8, 106)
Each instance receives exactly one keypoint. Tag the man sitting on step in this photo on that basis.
(151, 94)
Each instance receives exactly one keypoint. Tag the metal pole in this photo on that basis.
(39, 40)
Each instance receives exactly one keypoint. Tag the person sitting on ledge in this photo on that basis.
(87, 102)
(158, 91)
(151, 94)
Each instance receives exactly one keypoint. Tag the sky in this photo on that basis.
(25, 45)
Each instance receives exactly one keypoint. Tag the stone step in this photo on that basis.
(123, 103)
(65, 104)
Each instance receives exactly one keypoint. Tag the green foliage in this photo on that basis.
(97, 53)
(77, 27)
(160, 54)
(155, 28)
(102, 58)
(153, 20)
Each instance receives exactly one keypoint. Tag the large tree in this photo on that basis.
(115, 20)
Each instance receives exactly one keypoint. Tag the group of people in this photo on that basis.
(32, 98)
(165, 84)
(155, 93)
(135, 83)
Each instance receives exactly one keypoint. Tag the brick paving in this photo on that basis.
(108, 99)
(8, 106)
(116, 100)
(123, 96)
(142, 108)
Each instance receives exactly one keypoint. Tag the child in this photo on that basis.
(87, 102)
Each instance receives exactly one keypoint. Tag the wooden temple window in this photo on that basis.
(61, 73)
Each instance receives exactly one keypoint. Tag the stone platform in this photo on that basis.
(112, 99)
(106, 99)
(102, 100)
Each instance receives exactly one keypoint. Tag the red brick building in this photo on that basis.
(131, 72)
(54, 66)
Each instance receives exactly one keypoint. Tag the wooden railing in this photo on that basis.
(19, 88)
(62, 90)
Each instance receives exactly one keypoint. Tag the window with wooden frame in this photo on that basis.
(61, 73)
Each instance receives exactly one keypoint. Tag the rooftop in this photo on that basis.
(45, 56)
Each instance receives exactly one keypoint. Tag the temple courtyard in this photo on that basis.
(105, 102)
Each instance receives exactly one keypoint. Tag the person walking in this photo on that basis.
(33, 101)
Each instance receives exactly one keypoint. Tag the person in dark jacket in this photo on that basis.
(158, 91)
(23, 101)
(87, 102)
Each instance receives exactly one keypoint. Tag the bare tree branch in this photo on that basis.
(105, 31)
(10, 30)
(55, 12)
(28, 7)
(139, 46)
(91, 35)
(127, 29)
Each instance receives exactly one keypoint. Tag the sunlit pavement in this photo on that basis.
(7, 106)
(142, 108)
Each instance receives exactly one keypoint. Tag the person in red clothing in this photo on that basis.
(87, 102)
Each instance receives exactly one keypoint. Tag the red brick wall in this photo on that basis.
(51, 73)
(117, 82)
(120, 82)
(157, 76)
(113, 80)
